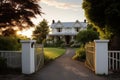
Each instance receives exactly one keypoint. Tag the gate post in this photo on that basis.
(28, 63)
(101, 56)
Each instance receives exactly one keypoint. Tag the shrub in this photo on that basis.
(85, 36)
(47, 59)
(58, 43)
(9, 43)
(80, 54)
(63, 45)
(75, 45)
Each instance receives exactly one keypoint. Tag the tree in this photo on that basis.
(90, 27)
(9, 32)
(18, 12)
(41, 31)
(104, 14)
(85, 36)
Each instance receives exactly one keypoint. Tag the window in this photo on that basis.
(59, 29)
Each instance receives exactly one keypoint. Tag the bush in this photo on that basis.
(47, 59)
(58, 43)
(80, 54)
(75, 45)
(85, 36)
(9, 43)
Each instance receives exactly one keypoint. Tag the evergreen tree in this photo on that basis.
(104, 15)
(41, 31)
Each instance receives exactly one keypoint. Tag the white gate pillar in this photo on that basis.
(28, 63)
(101, 56)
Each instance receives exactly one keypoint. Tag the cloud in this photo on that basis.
(61, 5)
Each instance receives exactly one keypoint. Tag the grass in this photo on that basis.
(52, 53)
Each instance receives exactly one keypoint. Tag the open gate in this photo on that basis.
(39, 56)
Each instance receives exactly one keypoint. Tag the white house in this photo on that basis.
(66, 31)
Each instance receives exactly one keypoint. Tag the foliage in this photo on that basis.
(41, 31)
(75, 45)
(9, 32)
(52, 53)
(104, 14)
(80, 54)
(85, 36)
(91, 27)
(59, 43)
(9, 43)
(18, 12)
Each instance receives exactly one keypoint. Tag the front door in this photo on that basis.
(67, 39)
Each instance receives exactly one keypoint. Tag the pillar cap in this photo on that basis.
(27, 41)
(101, 41)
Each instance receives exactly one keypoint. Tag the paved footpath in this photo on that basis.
(63, 68)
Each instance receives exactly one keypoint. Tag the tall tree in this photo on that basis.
(104, 15)
(41, 31)
(18, 12)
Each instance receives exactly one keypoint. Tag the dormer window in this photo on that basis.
(59, 29)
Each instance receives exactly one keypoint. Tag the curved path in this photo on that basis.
(64, 68)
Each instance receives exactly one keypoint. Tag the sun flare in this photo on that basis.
(26, 32)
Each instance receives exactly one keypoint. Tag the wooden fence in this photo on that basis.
(39, 56)
(114, 60)
(90, 55)
(13, 58)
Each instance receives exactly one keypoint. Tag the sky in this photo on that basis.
(63, 10)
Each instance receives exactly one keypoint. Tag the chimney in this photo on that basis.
(84, 20)
(53, 21)
(77, 21)
(59, 21)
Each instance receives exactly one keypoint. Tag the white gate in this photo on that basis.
(114, 60)
(39, 56)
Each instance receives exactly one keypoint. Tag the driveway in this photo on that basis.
(63, 68)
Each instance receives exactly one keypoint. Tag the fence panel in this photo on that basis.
(90, 55)
(39, 56)
(114, 60)
(13, 58)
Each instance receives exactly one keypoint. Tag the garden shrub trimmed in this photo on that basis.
(80, 54)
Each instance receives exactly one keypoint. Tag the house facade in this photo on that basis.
(66, 31)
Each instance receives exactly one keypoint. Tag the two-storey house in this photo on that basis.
(66, 31)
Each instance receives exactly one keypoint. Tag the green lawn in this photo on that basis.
(53, 53)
